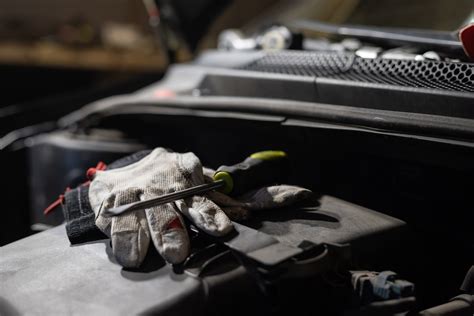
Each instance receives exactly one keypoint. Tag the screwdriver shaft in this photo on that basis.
(167, 198)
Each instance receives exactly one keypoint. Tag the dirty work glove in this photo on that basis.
(265, 198)
(158, 173)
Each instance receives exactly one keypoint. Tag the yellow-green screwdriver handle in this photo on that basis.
(259, 169)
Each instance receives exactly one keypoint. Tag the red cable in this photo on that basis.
(90, 175)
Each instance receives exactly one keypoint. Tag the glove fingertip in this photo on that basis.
(220, 226)
(130, 247)
(206, 215)
(174, 246)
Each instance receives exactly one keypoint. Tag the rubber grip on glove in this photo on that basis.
(258, 170)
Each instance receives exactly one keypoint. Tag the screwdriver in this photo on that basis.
(257, 170)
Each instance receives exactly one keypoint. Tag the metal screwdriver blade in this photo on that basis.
(167, 198)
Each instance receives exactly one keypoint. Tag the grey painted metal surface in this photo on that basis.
(43, 274)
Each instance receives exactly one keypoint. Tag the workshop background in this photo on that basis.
(56, 56)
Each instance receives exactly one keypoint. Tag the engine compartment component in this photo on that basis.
(383, 135)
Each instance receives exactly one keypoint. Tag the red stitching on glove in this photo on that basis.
(175, 223)
(92, 171)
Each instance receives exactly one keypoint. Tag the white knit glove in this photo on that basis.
(158, 173)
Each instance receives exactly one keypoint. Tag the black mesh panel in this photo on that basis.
(454, 76)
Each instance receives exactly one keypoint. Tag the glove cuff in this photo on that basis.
(80, 218)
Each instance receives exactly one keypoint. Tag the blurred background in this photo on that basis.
(52, 47)
(93, 49)
(58, 55)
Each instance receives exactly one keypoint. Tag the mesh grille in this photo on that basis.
(407, 73)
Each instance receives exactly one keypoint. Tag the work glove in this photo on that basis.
(158, 173)
(162, 172)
